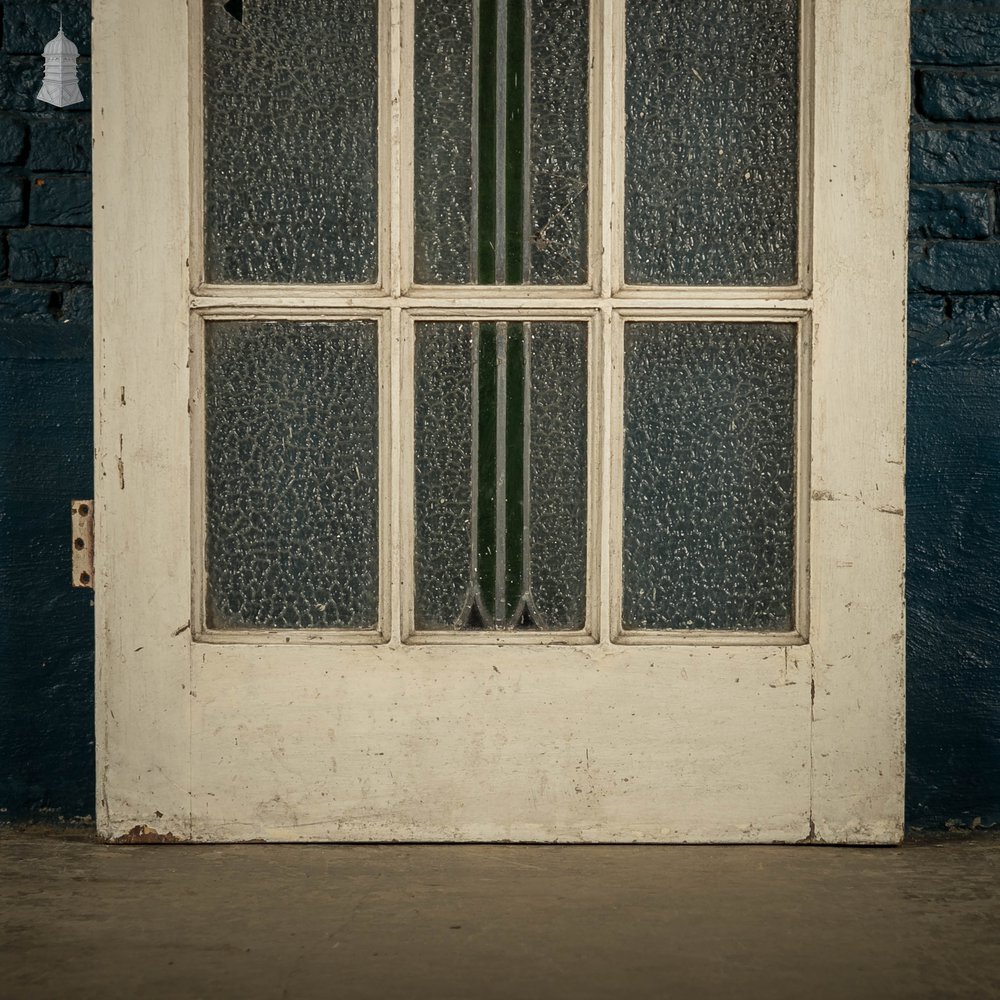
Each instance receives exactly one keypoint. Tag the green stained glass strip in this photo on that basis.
(501, 141)
(501, 442)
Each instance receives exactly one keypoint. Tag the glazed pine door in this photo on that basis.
(500, 419)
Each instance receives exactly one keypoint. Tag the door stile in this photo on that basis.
(142, 594)
(857, 628)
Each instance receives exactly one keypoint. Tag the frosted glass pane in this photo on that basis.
(443, 143)
(443, 462)
(559, 472)
(501, 475)
(709, 478)
(711, 145)
(556, 249)
(501, 140)
(292, 474)
(291, 157)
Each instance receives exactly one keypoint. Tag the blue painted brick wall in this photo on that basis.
(46, 628)
(46, 632)
(953, 482)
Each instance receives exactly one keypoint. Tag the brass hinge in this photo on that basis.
(83, 543)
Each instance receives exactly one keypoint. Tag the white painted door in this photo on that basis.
(500, 419)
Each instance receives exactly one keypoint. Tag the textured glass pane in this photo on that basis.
(709, 486)
(501, 475)
(292, 474)
(443, 142)
(711, 145)
(559, 472)
(443, 462)
(501, 138)
(291, 159)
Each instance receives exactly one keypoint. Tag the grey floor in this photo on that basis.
(81, 920)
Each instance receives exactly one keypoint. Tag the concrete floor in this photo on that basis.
(81, 920)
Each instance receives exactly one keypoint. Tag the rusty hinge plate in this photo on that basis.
(83, 543)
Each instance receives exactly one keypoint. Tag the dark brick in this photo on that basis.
(925, 312)
(49, 341)
(20, 81)
(937, 213)
(11, 201)
(78, 305)
(60, 201)
(959, 37)
(963, 327)
(962, 156)
(13, 133)
(26, 306)
(28, 25)
(50, 255)
(959, 96)
(948, 267)
(62, 144)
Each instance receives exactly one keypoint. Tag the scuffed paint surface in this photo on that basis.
(147, 835)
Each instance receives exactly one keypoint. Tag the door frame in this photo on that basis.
(811, 731)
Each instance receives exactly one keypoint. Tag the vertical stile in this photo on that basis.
(395, 115)
(604, 417)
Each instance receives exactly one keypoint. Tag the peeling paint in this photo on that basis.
(147, 835)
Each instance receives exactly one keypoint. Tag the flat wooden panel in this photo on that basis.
(667, 746)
